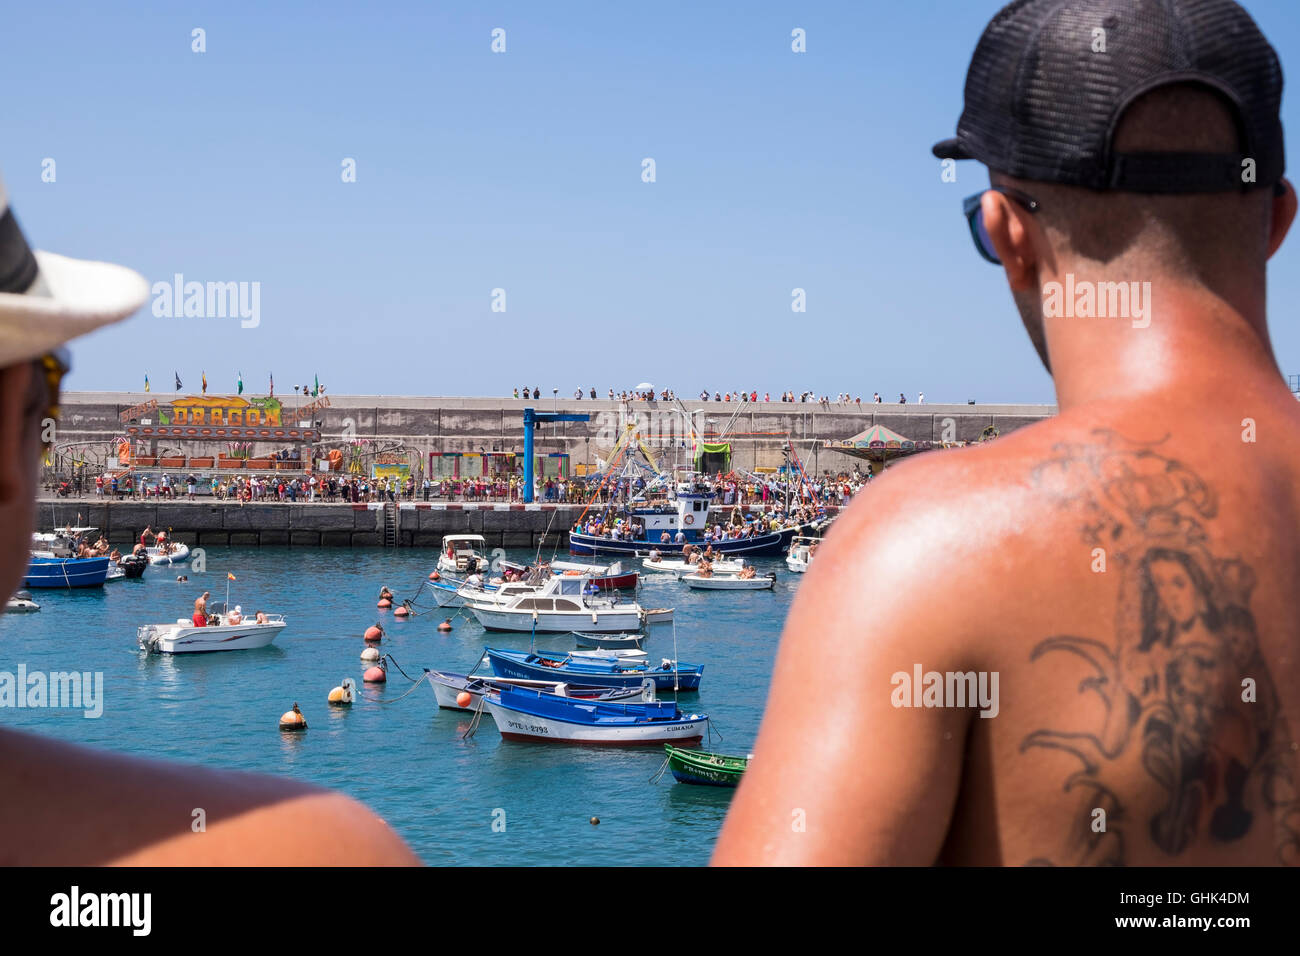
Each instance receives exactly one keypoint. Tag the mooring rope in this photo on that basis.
(389, 657)
(414, 687)
(659, 774)
(474, 721)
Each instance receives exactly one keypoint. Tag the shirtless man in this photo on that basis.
(45, 818)
(1125, 570)
(201, 610)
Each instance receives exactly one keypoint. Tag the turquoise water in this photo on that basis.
(405, 759)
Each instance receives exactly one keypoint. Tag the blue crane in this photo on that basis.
(531, 418)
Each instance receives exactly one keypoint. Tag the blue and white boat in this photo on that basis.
(602, 671)
(669, 529)
(54, 562)
(523, 714)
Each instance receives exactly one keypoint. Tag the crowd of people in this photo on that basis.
(736, 395)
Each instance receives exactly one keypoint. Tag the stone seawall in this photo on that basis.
(208, 522)
(756, 431)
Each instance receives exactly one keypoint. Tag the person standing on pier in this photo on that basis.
(45, 816)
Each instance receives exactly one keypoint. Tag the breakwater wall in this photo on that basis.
(318, 524)
(756, 431)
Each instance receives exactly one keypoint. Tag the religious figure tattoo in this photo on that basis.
(1187, 697)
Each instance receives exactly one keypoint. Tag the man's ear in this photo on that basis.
(1008, 227)
(1284, 209)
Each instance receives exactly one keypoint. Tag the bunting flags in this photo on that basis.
(178, 380)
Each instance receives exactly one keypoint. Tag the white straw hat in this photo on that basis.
(47, 299)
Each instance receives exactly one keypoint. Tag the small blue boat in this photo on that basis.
(524, 714)
(601, 671)
(47, 572)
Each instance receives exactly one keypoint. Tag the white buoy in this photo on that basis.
(370, 654)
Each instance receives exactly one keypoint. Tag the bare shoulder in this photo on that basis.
(146, 812)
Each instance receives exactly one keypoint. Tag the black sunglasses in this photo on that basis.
(972, 208)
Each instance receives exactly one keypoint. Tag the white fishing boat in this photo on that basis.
(462, 552)
(185, 637)
(562, 604)
(729, 582)
(608, 653)
(173, 552)
(678, 567)
(21, 603)
(801, 554)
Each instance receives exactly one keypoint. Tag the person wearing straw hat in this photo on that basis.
(1125, 572)
(142, 811)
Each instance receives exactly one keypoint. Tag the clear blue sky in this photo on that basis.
(522, 171)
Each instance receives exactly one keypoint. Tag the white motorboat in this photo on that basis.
(184, 637)
(173, 552)
(621, 653)
(115, 573)
(729, 582)
(448, 687)
(562, 604)
(801, 554)
(678, 567)
(21, 603)
(463, 552)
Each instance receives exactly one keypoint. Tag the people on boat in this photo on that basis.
(746, 572)
(655, 556)
(201, 610)
(236, 616)
(260, 617)
(705, 569)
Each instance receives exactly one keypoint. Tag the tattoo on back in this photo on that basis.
(1175, 682)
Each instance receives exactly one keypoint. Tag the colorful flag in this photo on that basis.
(241, 384)
(316, 389)
(146, 381)
(272, 392)
(178, 380)
(230, 576)
(205, 383)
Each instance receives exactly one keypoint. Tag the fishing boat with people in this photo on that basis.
(658, 564)
(224, 631)
(463, 554)
(168, 552)
(564, 603)
(730, 582)
(606, 672)
(463, 691)
(525, 714)
(703, 767)
(604, 577)
(801, 553)
(670, 527)
(60, 559)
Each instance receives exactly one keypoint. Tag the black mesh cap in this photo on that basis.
(1050, 80)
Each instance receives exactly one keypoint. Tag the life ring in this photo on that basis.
(689, 519)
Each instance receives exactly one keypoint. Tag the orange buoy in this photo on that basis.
(370, 654)
(344, 694)
(464, 699)
(435, 576)
(375, 675)
(445, 625)
(384, 602)
(293, 719)
(401, 611)
(374, 633)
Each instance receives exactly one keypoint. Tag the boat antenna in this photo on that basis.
(675, 663)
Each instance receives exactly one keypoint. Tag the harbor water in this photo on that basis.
(478, 800)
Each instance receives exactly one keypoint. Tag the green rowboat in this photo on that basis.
(702, 767)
